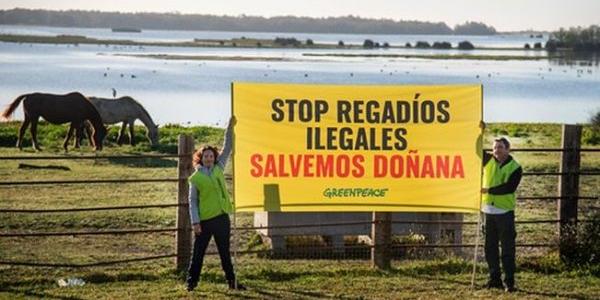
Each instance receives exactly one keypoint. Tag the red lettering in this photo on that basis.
(308, 164)
(295, 164)
(281, 166)
(325, 166)
(270, 166)
(380, 166)
(427, 168)
(396, 166)
(359, 169)
(457, 167)
(442, 166)
(256, 170)
(412, 166)
(342, 164)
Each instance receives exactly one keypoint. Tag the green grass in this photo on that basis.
(540, 273)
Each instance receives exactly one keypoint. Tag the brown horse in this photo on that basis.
(57, 109)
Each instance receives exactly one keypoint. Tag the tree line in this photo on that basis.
(176, 21)
(575, 38)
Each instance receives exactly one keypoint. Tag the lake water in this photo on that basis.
(198, 92)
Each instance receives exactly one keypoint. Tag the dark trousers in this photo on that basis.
(219, 227)
(501, 228)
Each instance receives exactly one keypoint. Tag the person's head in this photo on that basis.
(500, 148)
(205, 156)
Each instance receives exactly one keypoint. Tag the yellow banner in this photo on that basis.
(357, 147)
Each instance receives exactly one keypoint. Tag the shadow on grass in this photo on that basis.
(120, 277)
(144, 162)
(39, 295)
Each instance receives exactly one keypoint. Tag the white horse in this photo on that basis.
(125, 110)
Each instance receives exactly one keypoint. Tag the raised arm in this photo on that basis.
(228, 145)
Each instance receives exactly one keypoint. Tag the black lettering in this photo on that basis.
(401, 141)
(444, 116)
(343, 110)
(321, 108)
(291, 103)
(427, 111)
(277, 114)
(358, 110)
(372, 113)
(331, 143)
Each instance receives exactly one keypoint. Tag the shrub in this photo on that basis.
(341, 43)
(527, 46)
(288, 41)
(537, 45)
(408, 45)
(442, 45)
(309, 42)
(368, 44)
(465, 45)
(586, 251)
(422, 44)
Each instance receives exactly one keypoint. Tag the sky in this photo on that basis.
(504, 15)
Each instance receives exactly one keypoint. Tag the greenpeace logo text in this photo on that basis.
(354, 192)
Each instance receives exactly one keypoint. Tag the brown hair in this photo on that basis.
(197, 157)
(504, 141)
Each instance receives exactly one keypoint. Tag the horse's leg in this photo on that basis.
(122, 133)
(22, 131)
(131, 135)
(69, 134)
(33, 129)
(78, 136)
(89, 133)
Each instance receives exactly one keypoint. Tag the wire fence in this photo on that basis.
(296, 245)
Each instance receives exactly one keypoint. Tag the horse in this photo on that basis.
(125, 110)
(57, 109)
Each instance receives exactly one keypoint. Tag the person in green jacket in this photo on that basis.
(501, 177)
(210, 207)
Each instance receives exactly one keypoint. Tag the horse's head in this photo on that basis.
(153, 135)
(98, 137)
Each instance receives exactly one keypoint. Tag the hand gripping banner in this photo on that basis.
(357, 147)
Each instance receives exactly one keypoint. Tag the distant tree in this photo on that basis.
(287, 42)
(577, 39)
(592, 136)
(309, 42)
(465, 45)
(474, 28)
(341, 43)
(422, 44)
(551, 45)
(386, 45)
(377, 45)
(527, 46)
(408, 45)
(537, 45)
(258, 44)
(442, 45)
(595, 120)
(368, 44)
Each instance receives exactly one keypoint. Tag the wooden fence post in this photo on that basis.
(381, 235)
(184, 228)
(568, 188)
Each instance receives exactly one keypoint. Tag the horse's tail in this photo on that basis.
(6, 114)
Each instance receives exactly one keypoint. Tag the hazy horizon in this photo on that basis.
(510, 15)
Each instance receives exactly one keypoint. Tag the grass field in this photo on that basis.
(540, 272)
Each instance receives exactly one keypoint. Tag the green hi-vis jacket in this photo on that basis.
(212, 193)
(495, 175)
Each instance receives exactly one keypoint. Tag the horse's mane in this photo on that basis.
(141, 107)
